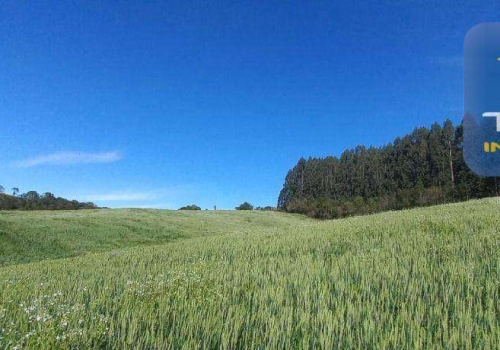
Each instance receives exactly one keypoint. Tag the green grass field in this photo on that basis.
(146, 279)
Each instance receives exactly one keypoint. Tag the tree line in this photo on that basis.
(423, 168)
(243, 206)
(32, 200)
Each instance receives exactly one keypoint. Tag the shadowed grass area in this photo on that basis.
(39, 235)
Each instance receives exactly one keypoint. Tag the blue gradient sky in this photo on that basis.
(162, 104)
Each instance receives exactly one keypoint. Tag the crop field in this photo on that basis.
(148, 279)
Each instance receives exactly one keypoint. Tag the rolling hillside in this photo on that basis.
(422, 278)
(39, 235)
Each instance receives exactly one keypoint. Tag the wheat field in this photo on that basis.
(146, 279)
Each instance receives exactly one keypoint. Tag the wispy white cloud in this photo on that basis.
(161, 197)
(67, 158)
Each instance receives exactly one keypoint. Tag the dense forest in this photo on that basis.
(423, 168)
(32, 200)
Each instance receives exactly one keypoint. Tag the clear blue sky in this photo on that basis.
(162, 104)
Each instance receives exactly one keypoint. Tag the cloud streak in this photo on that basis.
(69, 158)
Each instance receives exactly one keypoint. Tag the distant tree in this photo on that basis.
(32, 195)
(48, 201)
(449, 135)
(15, 191)
(31, 199)
(191, 207)
(89, 205)
(2, 189)
(268, 208)
(48, 195)
(244, 206)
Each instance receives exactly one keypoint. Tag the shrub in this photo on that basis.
(244, 206)
(190, 207)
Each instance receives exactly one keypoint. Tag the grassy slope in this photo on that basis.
(38, 235)
(424, 278)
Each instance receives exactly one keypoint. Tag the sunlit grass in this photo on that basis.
(425, 278)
